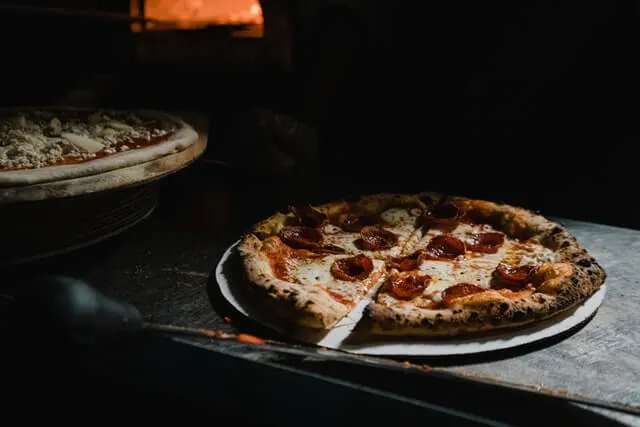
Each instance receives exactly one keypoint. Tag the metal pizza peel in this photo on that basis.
(75, 310)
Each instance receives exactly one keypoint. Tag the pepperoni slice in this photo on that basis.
(409, 285)
(301, 237)
(445, 246)
(459, 290)
(478, 216)
(486, 242)
(407, 263)
(513, 277)
(308, 216)
(375, 238)
(354, 268)
(446, 211)
(354, 223)
(442, 214)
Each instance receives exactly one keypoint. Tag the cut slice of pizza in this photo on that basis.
(478, 266)
(315, 289)
(317, 263)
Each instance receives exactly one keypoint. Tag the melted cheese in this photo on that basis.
(397, 220)
(396, 216)
(317, 272)
(336, 236)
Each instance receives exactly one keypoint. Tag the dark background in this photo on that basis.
(533, 104)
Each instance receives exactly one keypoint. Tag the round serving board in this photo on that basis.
(346, 336)
(117, 179)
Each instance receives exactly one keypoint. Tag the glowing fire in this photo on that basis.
(200, 13)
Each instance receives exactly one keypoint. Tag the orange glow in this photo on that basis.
(191, 14)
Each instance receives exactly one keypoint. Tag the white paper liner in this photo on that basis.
(345, 337)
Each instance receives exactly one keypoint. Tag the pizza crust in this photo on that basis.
(304, 305)
(574, 277)
(184, 137)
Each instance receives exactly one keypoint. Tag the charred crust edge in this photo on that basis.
(306, 306)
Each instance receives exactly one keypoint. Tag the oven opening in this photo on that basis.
(163, 15)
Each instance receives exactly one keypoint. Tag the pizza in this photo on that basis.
(426, 265)
(50, 144)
